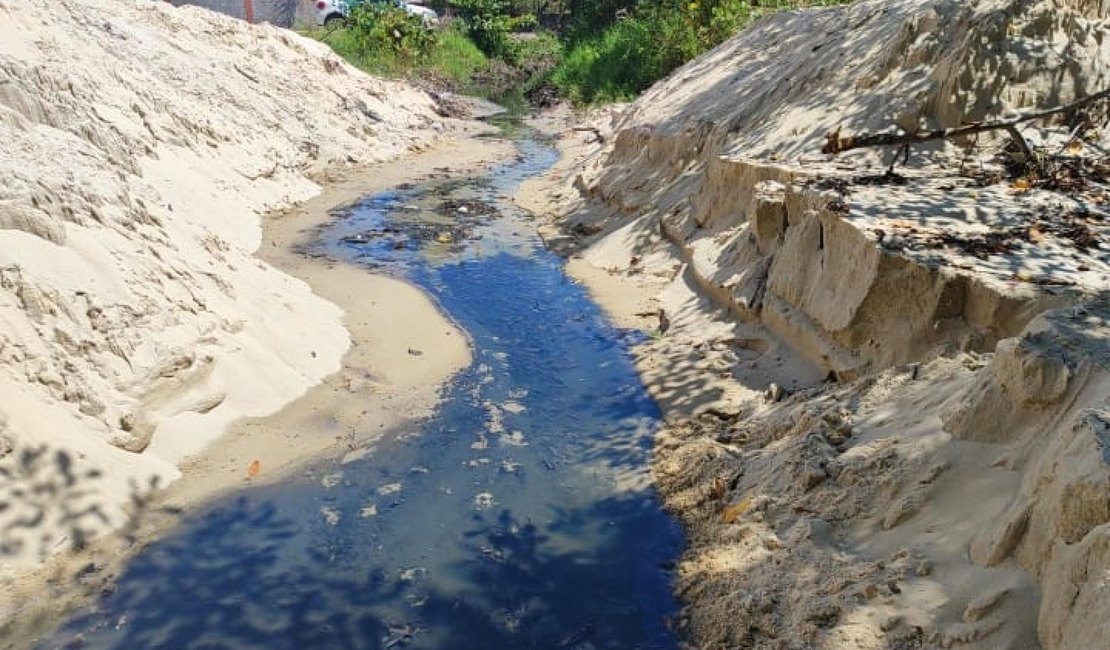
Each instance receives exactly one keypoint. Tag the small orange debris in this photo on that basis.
(255, 468)
(733, 512)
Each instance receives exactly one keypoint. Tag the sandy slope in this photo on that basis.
(379, 387)
(139, 145)
(874, 443)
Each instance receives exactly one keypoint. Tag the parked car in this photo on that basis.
(328, 11)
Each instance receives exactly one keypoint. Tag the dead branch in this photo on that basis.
(835, 144)
(591, 129)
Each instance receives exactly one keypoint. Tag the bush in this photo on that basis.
(451, 60)
(537, 58)
(390, 31)
(481, 54)
(455, 56)
(488, 24)
(651, 41)
(614, 66)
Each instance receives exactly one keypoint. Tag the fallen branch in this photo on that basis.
(591, 129)
(835, 144)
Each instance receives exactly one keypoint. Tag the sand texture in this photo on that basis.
(887, 400)
(139, 145)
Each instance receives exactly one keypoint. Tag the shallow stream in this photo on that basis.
(519, 516)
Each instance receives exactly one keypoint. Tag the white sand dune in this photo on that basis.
(139, 145)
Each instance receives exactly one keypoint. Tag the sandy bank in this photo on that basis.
(137, 322)
(887, 402)
(380, 386)
(381, 383)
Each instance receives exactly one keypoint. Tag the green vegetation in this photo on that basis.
(590, 51)
(390, 42)
(650, 39)
(490, 24)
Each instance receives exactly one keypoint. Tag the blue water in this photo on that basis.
(519, 516)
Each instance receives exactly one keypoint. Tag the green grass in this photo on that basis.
(455, 61)
(456, 56)
(453, 57)
(613, 66)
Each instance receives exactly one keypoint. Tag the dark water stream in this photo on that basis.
(519, 516)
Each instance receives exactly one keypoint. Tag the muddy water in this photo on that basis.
(519, 516)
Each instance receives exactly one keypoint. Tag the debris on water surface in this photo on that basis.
(413, 574)
(391, 488)
(483, 501)
(514, 439)
(515, 408)
(466, 208)
(399, 636)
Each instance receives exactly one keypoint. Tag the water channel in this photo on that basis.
(519, 516)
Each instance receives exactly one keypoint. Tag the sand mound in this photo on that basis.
(139, 144)
(794, 77)
(944, 485)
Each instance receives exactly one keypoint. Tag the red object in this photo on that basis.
(248, 10)
(321, 5)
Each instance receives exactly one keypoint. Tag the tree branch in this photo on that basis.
(591, 129)
(835, 144)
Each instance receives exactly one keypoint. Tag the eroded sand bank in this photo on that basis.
(888, 401)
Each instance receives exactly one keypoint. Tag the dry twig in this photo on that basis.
(835, 144)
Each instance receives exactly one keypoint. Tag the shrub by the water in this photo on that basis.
(389, 31)
(607, 50)
(394, 43)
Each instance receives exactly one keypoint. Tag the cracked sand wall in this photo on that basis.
(945, 487)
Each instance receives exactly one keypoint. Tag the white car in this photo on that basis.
(328, 11)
